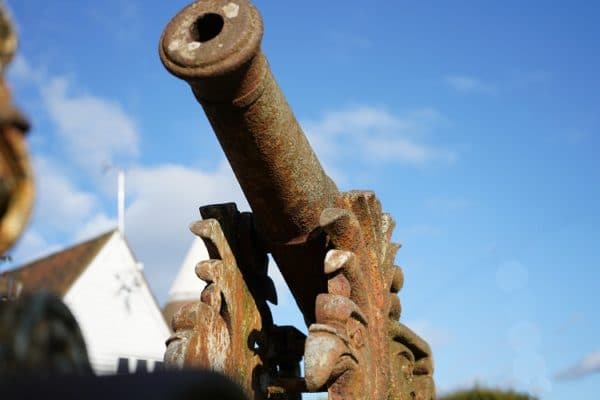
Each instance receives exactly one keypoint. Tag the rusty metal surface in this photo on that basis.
(277, 169)
(214, 333)
(230, 329)
(357, 349)
(16, 176)
(333, 249)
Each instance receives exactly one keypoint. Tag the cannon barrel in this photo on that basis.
(214, 45)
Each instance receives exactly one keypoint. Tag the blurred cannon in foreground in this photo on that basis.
(40, 336)
(16, 177)
(42, 350)
(332, 248)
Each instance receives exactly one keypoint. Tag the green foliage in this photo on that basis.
(479, 393)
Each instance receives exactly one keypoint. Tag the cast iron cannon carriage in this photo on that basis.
(333, 249)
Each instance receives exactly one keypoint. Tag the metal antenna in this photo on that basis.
(121, 201)
(106, 167)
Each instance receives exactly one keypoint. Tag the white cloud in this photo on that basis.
(31, 245)
(590, 364)
(21, 70)
(164, 200)
(94, 226)
(518, 80)
(60, 205)
(94, 130)
(374, 135)
(60, 209)
(401, 149)
(468, 84)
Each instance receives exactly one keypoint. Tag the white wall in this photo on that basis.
(187, 285)
(117, 322)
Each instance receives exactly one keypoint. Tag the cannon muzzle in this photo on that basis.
(214, 45)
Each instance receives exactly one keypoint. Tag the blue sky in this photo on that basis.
(476, 124)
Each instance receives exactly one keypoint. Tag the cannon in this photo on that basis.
(333, 249)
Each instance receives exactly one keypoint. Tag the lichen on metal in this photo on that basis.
(333, 249)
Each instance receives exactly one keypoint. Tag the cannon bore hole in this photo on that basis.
(207, 27)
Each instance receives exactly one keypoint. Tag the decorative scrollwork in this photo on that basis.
(357, 349)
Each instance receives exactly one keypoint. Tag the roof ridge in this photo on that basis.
(56, 272)
(104, 235)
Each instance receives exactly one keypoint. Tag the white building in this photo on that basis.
(105, 288)
(187, 286)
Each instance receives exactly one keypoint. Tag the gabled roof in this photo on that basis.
(187, 286)
(57, 272)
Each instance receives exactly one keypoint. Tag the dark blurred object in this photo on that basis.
(16, 177)
(10, 289)
(479, 393)
(39, 336)
(179, 385)
(43, 355)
